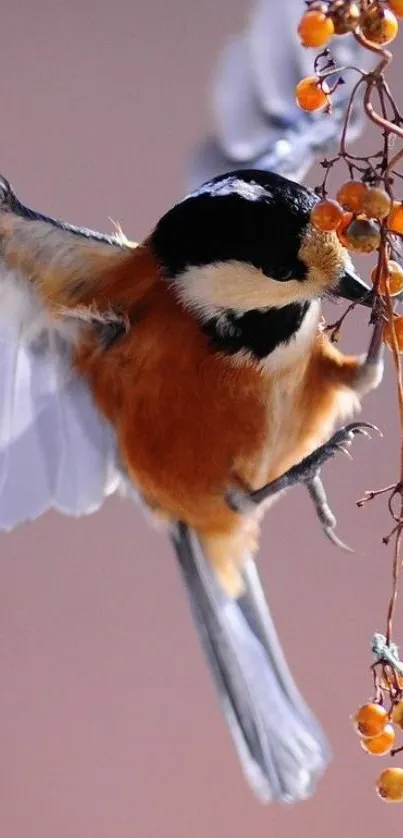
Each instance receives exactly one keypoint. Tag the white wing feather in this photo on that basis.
(56, 450)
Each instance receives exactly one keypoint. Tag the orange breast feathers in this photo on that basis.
(192, 422)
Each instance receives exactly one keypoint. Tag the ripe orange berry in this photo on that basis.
(311, 94)
(396, 6)
(376, 203)
(390, 785)
(351, 195)
(380, 745)
(371, 719)
(326, 215)
(395, 276)
(379, 26)
(395, 220)
(362, 235)
(388, 334)
(315, 29)
(345, 16)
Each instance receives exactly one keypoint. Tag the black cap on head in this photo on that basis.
(251, 216)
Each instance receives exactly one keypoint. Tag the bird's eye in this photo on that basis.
(287, 275)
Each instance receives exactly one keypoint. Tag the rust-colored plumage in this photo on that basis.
(220, 418)
(217, 379)
(225, 424)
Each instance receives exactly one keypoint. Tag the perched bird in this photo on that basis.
(193, 370)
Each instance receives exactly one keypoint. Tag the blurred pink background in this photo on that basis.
(109, 725)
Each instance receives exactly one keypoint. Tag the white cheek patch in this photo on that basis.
(237, 286)
(241, 287)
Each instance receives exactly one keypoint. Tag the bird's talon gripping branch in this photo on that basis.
(243, 330)
(308, 472)
(310, 466)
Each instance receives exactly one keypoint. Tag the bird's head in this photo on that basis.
(241, 254)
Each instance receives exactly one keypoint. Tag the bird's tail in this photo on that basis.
(281, 746)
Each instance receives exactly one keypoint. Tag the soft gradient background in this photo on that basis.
(109, 726)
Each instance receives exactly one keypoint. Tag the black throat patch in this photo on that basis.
(259, 331)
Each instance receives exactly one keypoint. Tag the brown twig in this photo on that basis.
(379, 168)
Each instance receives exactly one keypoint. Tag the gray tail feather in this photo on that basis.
(281, 746)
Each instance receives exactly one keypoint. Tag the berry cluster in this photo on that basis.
(367, 217)
(354, 216)
(375, 22)
(376, 729)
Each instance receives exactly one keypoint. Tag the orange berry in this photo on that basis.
(396, 6)
(326, 215)
(390, 785)
(311, 94)
(380, 745)
(315, 29)
(388, 334)
(345, 16)
(395, 219)
(379, 26)
(362, 235)
(351, 195)
(376, 203)
(371, 719)
(395, 276)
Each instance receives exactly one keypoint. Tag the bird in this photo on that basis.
(191, 370)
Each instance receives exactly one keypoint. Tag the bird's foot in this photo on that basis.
(307, 471)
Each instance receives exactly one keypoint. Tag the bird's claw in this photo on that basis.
(308, 472)
(340, 442)
(331, 535)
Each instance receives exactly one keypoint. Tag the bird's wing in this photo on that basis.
(257, 123)
(56, 450)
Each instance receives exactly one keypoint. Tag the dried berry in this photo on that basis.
(379, 25)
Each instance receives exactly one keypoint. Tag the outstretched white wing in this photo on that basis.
(56, 450)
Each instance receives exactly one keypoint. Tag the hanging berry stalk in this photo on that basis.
(367, 217)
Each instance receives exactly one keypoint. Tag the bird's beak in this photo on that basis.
(352, 287)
